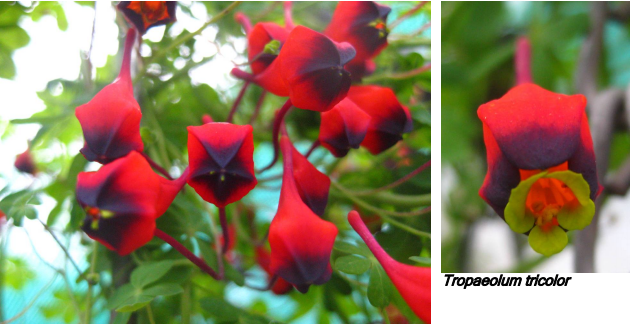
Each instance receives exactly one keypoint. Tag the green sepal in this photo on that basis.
(517, 216)
(548, 242)
(578, 216)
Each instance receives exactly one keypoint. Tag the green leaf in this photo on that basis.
(134, 303)
(378, 287)
(166, 289)
(121, 295)
(352, 264)
(422, 260)
(149, 272)
(349, 248)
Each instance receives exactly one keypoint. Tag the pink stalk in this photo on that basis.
(187, 253)
(247, 77)
(288, 15)
(124, 74)
(230, 117)
(222, 216)
(523, 61)
(243, 20)
(277, 122)
(156, 166)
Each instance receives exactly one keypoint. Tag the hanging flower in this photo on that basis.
(301, 242)
(146, 14)
(24, 163)
(389, 119)
(110, 121)
(221, 161)
(263, 258)
(541, 176)
(122, 201)
(343, 127)
(363, 25)
(263, 44)
(413, 283)
(309, 69)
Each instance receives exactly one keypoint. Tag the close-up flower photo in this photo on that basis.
(535, 137)
(190, 162)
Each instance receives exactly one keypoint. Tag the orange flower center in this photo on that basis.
(547, 196)
(150, 11)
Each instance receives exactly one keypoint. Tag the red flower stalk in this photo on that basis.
(263, 258)
(413, 283)
(363, 25)
(24, 163)
(313, 186)
(3, 220)
(309, 69)
(110, 121)
(221, 161)
(301, 242)
(343, 127)
(122, 201)
(146, 14)
(389, 118)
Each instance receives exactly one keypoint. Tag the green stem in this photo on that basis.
(382, 213)
(396, 183)
(89, 294)
(59, 243)
(384, 313)
(399, 75)
(401, 199)
(179, 41)
(186, 304)
(23, 311)
(150, 316)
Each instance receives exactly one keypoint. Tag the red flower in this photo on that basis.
(363, 24)
(146, 14)
(122, 200)
(541, 176)
(110, 121)
(24, 163)
(413, 283)
(3, 219)
(343, 127)
(301, 242)
(260, 36)
(263, 257)
(221, 161)
(313, 186)
(309, 69)
(389, 119)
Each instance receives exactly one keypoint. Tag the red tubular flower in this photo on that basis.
(413, 283)
(122, 200)
(343, 127)
(541, 176)
(309, 69)
(110, 121)
(301, 242)
(24, 163)
(313, 186)
(146, 14)
(263, 257)
(389, 119)
(258, 38)
(363, 24)
(221, 161)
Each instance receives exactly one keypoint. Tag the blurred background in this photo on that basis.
(56, 56)
(577, 47)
